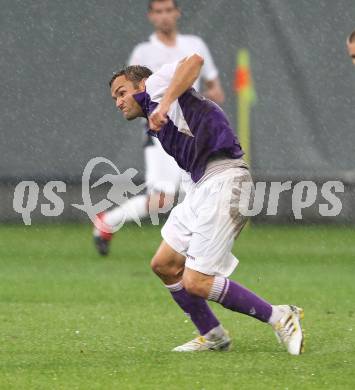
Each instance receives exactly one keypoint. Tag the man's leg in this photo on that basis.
(135, 206)
(140, 206)
(108, 222)
(228, 293)
(169, 266)
(231, 295)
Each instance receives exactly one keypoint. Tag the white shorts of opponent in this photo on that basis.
(162, 172)
(204, 226)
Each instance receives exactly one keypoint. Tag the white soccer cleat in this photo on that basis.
(200, 344)
(288, 329)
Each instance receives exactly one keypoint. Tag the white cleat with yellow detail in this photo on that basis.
(200, 344)
(288, 329)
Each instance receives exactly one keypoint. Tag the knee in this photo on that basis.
(162, 268)
(156, 265)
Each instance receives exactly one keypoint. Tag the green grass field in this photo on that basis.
(72, 320)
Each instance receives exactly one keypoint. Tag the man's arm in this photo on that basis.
(213, 91)
(185, 75)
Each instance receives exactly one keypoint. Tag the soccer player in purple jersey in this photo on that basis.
(194, 259)
(350, 42)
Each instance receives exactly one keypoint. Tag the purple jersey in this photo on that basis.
(197, 128)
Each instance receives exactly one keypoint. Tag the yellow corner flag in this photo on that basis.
(246, 97)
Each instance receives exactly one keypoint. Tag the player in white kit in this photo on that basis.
(162, 174)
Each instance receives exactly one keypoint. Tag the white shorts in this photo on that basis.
(204, 226)
(162, 173)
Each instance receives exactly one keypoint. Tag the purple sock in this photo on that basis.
(195, 307)
(235, 297)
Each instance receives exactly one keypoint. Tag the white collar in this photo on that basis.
(156, 41)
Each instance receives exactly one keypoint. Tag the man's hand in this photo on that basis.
(158, 117)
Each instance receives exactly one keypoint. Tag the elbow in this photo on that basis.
(220, 99)
(197, 59)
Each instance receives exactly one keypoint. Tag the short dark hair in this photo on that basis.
(150, 2)
(351, 37)
(134, 73)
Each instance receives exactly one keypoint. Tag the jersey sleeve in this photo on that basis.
(209, 71)
(159, 81)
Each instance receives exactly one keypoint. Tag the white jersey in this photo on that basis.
(154, 53)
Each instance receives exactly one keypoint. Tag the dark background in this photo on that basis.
(57, 57)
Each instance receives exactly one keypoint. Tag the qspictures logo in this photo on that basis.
(304, 194)
(121, 186)
(26, 194)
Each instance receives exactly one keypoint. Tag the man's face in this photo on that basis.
(351, 51)
(164, 15)
(122, 91)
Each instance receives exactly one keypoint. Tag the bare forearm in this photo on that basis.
(185, 75)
